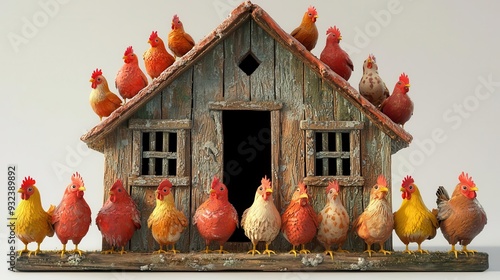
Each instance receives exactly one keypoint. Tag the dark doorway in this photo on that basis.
(247, 158)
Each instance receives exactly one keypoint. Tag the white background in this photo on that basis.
(449, 49)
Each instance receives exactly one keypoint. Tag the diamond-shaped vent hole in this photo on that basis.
(249, 63)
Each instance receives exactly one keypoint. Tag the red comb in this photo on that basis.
(128, 51)
(333, 185)
(404, 78)
(312, 10)
(28, 182)
(465, 179)
(175, 18)
(215, 182)
(333, 30)
(266, 182)
(165, 183)
(302, 187)
(408, 180)
(153, 35)
(76, 179)
(96, 73)
(381, 180)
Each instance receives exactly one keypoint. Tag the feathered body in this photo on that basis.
(333, 220)
(376, 222)
(413, 221)
(398, 106)
(262, 221)
(371, 85)
(102, 100)
(307, 32)
(179, 42)
(157, 58)
(216, 219)
(461, 217)
(166, 222)
(33, 223)
(130, 79)
(118, 218)
(299, 222)
(72, 217)
(334, 56)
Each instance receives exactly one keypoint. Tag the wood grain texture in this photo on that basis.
(236, 46)
(262, 81)
(282, 262)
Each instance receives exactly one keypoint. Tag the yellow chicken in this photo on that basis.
(33, 224)
(413, 222)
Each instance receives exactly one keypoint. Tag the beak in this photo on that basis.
(269, 190)
(407, 85)
(82, 188)
(384, 189)
(402, 189)
(212, 191)
(91, 80)
(474, 189)
(124, 57)
(20, 191)
(149, 41)
(340, 38)
(110, 193)
(304, 195)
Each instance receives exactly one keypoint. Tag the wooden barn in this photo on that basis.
(247, 101)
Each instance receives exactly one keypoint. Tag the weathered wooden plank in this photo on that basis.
(245, 105)
(177, 98)
(262, 79)
(155, 154)
(154, 181)
(151, 161)
(206, 134)
(340, 126)
(148, 125)
(145, 198)
(236, 46)
(355, 147)
(345, 181)
(275, 151)
(310, 143)
(326, 155)
(136, 153)
(281, 262)
(289, 90)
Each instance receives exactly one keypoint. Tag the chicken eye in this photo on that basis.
(260, 188)
(410, 187)
(73, 187)
(119, 190)
(376, 187)
(30, 189)
(221, 189)
(464, 187)
(98, 79)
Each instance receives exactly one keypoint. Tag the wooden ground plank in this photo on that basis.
(315, 262)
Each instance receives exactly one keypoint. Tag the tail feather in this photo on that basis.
(442, 195)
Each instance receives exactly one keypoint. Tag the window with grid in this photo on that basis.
(332, 151)
(159, 153)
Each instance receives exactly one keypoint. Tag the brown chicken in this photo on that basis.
(262, 221)
(333, 220)
(307, 32)
(216, 219)
(179, 42)
(299, 222)
(375, 224)
(460, 217)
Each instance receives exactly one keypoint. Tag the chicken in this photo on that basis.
(371, 85)
(72, 217)
(399, 107)
(179, 42)
(299, 222)
(413, 222)
(118, 218)
(333, 220)
(216, 219)
(166, 222)
(102, 100)
(157, 58)
(334, 56)
(262, 221)
(376, 222)
(307, 32)
(33, 224)
(130, 79)
(460, 218)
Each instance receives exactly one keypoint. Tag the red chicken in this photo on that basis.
(118, 218)
(307, 32)
(334, 56)
(72, 217)
(166, 222)
(179, 42)
(262, 221)
(399, 107)
(157, 58)
(376, 222)
(130, 79)
(216, 219)
(333, 220)
(461, 217)
(299, 222)
(102, 100)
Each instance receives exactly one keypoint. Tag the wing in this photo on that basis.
(189, 39)
(349, 63)
(113, 98)
(443, 205)
(244, 217)
(296, 31)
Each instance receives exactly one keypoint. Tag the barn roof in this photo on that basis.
(94, 138)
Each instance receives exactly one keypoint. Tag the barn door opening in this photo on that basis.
(247, 157)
